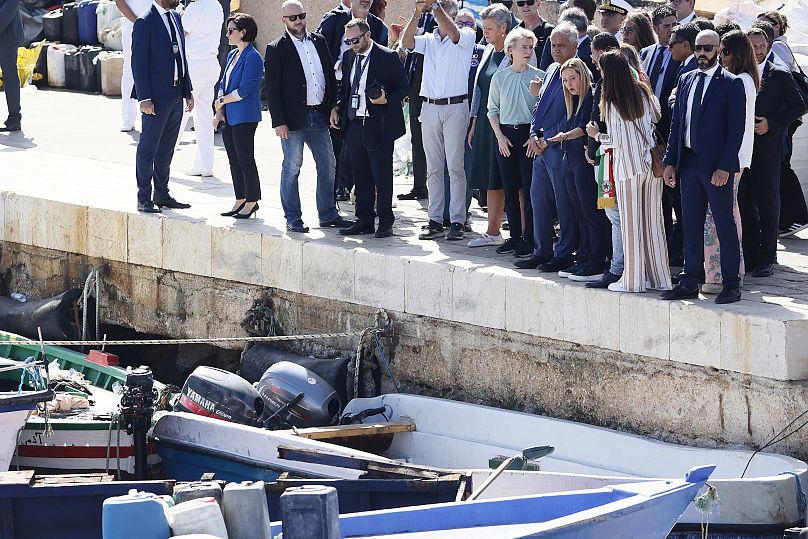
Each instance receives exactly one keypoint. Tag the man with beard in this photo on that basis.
(161, 83)
(298, 63)
(706, 134)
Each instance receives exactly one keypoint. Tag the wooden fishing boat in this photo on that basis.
(646, 509)
(77, 440)
(15, 407)
(462, 436)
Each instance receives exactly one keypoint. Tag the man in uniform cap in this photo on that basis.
(612, 15)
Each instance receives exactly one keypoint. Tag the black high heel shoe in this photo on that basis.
(247, 215)
(231, 213)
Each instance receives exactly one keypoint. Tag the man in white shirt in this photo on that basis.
(445, 113)
(685, 10)
(131, 10)
(202, 21)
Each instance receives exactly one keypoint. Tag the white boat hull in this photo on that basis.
(458, 435)
(10, 425)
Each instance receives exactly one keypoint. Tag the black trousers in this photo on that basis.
(372, 165)
(516, 172)
(239, 141)
(792, 200)
(418, 154)
(8, 65)
(758, 201)
(343, 177)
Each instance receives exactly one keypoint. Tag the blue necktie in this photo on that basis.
(544, 102)
(695, 111)
(656, 68)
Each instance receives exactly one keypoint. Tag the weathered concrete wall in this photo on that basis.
(669, 401)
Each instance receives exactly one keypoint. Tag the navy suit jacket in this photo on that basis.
(153, 59)
(246, 78)
(717, 140)
(647, 55)
(554, 120)
(10, 23)
(386, 122)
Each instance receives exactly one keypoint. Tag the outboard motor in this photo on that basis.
(295, 396)
(222, 395)
(137, 408)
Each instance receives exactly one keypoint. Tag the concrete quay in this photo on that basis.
(472, 326)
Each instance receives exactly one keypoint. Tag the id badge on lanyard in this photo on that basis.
(358, 76)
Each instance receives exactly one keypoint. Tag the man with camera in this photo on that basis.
(369, 112)
(445, 113)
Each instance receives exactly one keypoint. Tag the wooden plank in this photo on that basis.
(22, 477)
(349, 431)
(72, 479)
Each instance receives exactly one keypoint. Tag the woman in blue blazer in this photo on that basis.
(239, 108)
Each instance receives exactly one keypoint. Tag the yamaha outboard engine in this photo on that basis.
(221, 394)
(295, 396)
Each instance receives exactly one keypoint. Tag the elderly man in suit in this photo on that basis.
(10, 38)
(160, 71)
(548, 189)
(301, 89)
(702, 153)
(369, 112)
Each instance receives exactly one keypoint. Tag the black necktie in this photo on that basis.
(695, 111)
(357, 77)
(656, 69)
(175, 44)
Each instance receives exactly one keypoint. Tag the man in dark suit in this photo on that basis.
(662, 70)
(369, 112)
(778, 104)
(577, 18)
(332, 28)
(301, 89)
(706, 134)
(161, 83)
(10, 38)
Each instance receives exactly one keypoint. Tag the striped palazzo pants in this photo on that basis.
(645, 249)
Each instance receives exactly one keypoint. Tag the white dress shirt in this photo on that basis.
(709, 76)
(139, 8)
(363, 80)
(312, 69)
(688, 18)
(202, 22)
(229, 71)
(666, 58)
(446, 64)
(162, 11)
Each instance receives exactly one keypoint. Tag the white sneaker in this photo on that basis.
(197, 172)
(710, 288)
(793, 229)
(486, 240)
(617, 286)
(127, 128)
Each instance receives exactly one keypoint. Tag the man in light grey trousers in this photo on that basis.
(445, 113)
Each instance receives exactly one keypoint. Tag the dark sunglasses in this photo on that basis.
(353, 40)
(705, 48)
(523, 3)
(293, 18)
(467, 24)
(231, 30)
(628, 29)
(726, 52)
(671, 43)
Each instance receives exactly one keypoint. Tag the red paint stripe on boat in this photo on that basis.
(77, 452)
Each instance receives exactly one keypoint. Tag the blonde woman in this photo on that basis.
(630, 109)
(510, 111)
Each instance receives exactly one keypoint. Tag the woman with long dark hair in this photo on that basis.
(637, 30)
(630, 109)
(738, 58)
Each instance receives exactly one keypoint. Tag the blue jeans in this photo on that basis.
(617, 241)
(315, 135)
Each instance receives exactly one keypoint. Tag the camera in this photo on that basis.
(374, 91)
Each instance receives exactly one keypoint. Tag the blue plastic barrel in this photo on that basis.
(137, 515)
(88, 22)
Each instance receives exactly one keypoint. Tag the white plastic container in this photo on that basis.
(111, 72)
(56, 64)
(245, 510)
(202, 515)
(109, 21)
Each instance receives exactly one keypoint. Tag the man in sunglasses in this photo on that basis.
(301, 89)
(702, 154)
(445, 113)
(531, 20)
(777, 105)
(368, 110)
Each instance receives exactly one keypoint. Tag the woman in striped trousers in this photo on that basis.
(630, 109)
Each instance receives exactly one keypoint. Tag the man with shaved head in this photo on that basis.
(706, 134)
(301, 89)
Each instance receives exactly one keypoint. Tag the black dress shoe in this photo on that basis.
(231, 213)
(171, 203)
(729, 294)
(10, 128)
(763, 270)
(415, 194)
(532, 263)
(680, 292)
(555, 265)
(147, 207)
(356, 229)
(339, 222)
(606, 279)
(342, 196)
(384, 232)
(297, 227)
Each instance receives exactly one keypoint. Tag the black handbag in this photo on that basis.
(800, 78)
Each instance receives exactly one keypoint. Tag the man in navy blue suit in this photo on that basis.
(161, 83)
(706, 133)
(10, 38)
